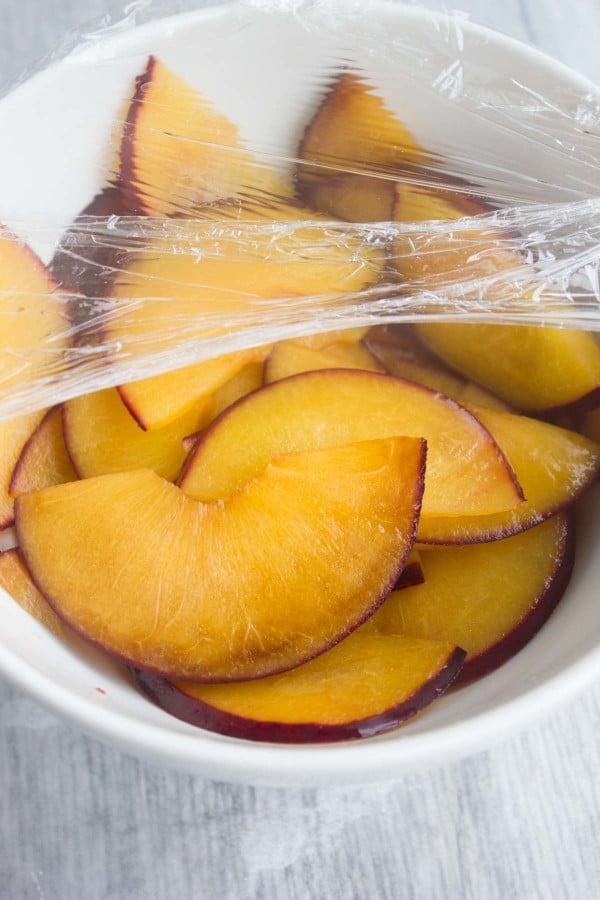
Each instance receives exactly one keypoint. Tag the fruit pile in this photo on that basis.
(309, 541)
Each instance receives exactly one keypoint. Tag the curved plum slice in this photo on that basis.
(554, 467)
(353, 129)
(34, 316)
(465, 468)
(438, 258)
(534, 369)
(489, 599)
(44, 460)
(193, 288)
(236, 589)
(14, 434)
(327, 699)
(102, 437)
(179, 153)
(16, 581)
(159, 401)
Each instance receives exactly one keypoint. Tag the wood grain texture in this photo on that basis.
(78, 820)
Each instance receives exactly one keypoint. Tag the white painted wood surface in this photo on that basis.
(82, 822)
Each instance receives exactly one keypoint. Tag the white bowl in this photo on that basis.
(59, 124)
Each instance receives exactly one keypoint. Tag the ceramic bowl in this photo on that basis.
(257, 66)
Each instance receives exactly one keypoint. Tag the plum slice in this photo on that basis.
(534, 369)
(465, 468)
(553, 465)
(412, 362)
(353, 129)
(34, 316)
(179, 153)
(436, 259)
(359, 150)
(489, 599)
(234, 589)
(44, 460)
(14, 434)
(160, 401)
(16, 581)
(367, 684)
(102, 437)
(185, 290)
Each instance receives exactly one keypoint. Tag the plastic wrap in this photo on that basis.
(175, 245)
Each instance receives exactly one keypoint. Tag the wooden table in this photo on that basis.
(79, 821)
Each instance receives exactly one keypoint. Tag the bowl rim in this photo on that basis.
(236, 760)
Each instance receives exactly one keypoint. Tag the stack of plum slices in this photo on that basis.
(309, 541)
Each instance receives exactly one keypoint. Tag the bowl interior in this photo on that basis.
(260, 69)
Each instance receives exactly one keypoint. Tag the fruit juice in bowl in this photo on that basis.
(261, 566)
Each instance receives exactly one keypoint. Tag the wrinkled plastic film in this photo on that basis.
(196, 246)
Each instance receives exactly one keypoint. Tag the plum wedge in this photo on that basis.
(414, 363)
(355, 151)
(179, 153)
(161, 400)
(534, 369)
(13, 437)
(234, 590)
(327, 699)
(465, 468)
(489, 599)
(451, 254)
(44, 460)
(102, 437)
(182, 289)
(353, 129)
(32, 313)
(553, 465)
(16, 581)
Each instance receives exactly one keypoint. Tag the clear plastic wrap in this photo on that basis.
(262, 171)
